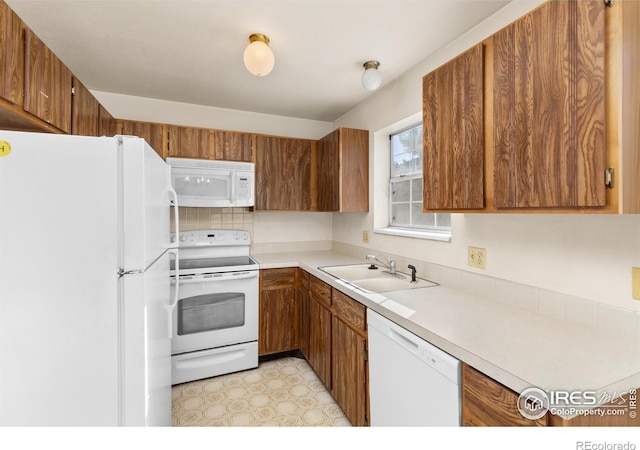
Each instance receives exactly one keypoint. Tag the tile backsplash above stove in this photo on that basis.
(215, 218)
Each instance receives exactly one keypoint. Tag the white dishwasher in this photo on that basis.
(411, 382)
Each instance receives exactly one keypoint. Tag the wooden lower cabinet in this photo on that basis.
(320, 340)
(278, 324)
(485, 402)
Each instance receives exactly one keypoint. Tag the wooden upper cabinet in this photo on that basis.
(549, 107)
(11, 56)
(453, 133)
(85, 110)
(343, 171)
(153, 133)
(47, 84)
(232, 146)
(106, 122)
(283, 173)
(189, 142)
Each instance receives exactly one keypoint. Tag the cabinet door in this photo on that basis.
(189, 142)
(47, 84)
(11, 56)
(279, 323)
(349, 382)
(320, 341)
(302, 283)
(453, 134)
(278, 330)
(283, 174)
(232, 146)
(486, 402)
(106, 122)
(84, 111)
(329, 172)
(549, 107)
(153, 133)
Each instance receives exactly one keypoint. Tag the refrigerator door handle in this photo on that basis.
(176, 294)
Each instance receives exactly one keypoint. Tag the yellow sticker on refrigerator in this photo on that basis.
(5, 148)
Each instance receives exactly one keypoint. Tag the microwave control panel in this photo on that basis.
(243, 187)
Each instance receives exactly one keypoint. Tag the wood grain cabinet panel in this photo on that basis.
(486, 402)
(106, 122)
(302, 292)
(154, 133)
(85, 110)
(283, 173)
(320, 340)
(351, 312)
(343, 171)
(11, 56)
(279, 315)
(320, 290)
(232, 146)
(453, 133)
(189, 142)
(349, 380)
(549, 107)
(48, 84)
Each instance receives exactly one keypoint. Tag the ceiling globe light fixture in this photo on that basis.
(371, 78)
(258, 56)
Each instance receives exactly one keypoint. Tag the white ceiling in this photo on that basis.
(191, 50)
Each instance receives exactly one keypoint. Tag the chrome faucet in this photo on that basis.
(391, 265)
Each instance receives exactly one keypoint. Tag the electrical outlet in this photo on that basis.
(477, 257)
(635, 282)
(365, 236)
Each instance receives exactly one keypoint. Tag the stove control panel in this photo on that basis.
(198, 238)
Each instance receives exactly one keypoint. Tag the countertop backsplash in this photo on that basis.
(602, 317)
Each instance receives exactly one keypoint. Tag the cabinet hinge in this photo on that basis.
(366, 354)
(73, 90)
(608, 177)
(608, 3)
(366, 421)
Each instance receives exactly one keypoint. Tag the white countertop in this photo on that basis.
(513, 345)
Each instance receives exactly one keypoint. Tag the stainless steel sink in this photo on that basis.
(375, 280)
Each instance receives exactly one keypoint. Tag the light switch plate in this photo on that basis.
(635, 282)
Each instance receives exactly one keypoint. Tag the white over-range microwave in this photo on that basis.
(212, 184)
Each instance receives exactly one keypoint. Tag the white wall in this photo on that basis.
(588, 256)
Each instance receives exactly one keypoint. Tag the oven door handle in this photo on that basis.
(231, 276)
(176, 295)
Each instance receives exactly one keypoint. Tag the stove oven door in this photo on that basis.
(215, 310)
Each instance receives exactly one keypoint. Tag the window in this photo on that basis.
(405, 186)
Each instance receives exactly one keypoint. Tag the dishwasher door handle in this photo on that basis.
(404, 341)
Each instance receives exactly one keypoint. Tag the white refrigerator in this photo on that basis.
(85, 301)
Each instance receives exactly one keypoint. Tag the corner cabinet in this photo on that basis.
(85, 111)
(533, 118)
(154, 133)
(343, 171)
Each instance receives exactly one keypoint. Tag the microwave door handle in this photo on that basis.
(176, 295)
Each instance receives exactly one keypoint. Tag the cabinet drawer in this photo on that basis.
(302, 279)
(350, 311)
(278, 278)
(320, 290)
(485, 402)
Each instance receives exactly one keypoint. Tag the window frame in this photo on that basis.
(437, 232)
